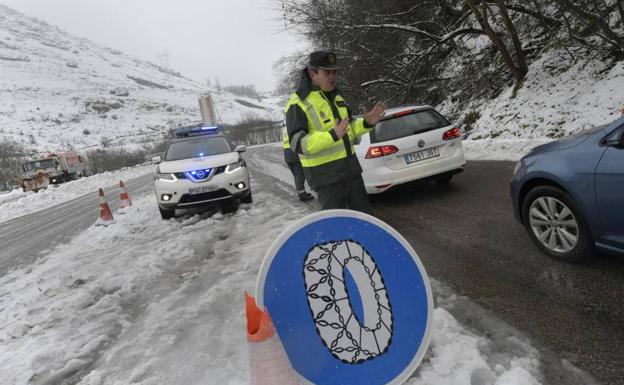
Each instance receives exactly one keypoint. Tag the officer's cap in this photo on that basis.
(323, 59)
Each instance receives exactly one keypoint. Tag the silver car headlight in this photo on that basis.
(234, 166)
(517, 167)
(165, 177)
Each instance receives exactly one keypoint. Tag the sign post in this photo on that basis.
(349, 298)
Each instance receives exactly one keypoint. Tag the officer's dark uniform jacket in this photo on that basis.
(311, 115)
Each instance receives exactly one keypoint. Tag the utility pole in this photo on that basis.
(206, 106)
(163, 59)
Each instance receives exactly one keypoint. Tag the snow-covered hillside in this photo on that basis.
(559, 97)
(59, 91)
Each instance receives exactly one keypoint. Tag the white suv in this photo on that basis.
(410, 142)
(201, 167)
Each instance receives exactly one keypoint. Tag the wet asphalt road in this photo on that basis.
(23, 239)
(466, 235)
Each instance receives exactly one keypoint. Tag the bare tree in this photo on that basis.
(426, 50)
(393, 47)
(596, 20)
(517, 68)
(11, 157)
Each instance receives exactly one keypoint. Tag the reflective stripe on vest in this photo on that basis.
(296, 139)
(312, 114)
(329, 152)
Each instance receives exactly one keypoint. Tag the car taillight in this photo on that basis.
(377, 151)
(403, 113)
(452, 134)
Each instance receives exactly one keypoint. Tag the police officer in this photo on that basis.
(292, 160)
(322, 132)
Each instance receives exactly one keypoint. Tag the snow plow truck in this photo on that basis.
(54, 168)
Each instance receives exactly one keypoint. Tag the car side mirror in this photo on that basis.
(240, 148)
(156, 160)
(617, 142)
(620, 143)
(615, 139)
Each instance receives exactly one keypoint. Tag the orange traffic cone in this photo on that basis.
(269, 363)
(123, 195)
(259, 325)
(106, 216)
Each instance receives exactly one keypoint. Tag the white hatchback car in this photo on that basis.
(410, 142)
(201, 167)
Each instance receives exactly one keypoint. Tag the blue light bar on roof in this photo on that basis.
(199, 129)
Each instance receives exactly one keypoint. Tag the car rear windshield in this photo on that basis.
(406, 125)
(198, 147)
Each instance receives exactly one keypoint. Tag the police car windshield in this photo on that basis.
(198, 147)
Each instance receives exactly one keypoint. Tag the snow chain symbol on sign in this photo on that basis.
(348, 338)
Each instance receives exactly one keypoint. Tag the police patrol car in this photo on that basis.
(201, 167)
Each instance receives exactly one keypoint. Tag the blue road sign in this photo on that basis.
(350, 300)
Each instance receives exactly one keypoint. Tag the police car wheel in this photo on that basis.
(166, 213)
(229, 207)
(247, 198)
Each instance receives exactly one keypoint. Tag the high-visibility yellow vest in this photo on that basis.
(285, 142)
(317, 146)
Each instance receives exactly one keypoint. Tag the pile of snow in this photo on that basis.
(17, 203)
(146, 301)
(558, 98)
(58, 91)
(500, 149)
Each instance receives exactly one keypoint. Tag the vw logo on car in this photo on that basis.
(421, 143)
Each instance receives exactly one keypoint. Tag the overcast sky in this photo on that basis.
(236, 41)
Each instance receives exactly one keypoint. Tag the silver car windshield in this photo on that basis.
(406, 125)
(198, 147)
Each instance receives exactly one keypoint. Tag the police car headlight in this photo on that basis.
(234, 166)
(165, 177)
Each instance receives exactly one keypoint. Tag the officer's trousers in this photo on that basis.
(297, 171)
(346, 194)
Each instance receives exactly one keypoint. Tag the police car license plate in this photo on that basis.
(421, 155)
(202, 189)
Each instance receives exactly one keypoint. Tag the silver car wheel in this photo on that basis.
(553, 224)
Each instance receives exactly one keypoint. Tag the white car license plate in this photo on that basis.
(422, 155)
(202, 189)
